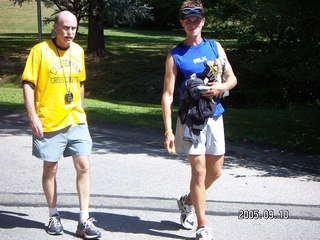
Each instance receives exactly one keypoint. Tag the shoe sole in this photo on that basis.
(88, 237)
(91, 237)
(54, 233)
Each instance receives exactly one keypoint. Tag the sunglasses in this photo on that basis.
(187, 11)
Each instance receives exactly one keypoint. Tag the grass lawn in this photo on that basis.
(15, 19)
(297, 129)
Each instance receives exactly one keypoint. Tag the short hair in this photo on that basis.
(56, 17)
(191, 4)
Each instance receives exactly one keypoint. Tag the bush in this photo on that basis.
(276, 79)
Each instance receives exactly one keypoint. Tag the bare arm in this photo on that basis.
(82, 94)
(167, 99)
(231, 80)
(35, 122)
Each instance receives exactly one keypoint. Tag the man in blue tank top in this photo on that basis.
(206, 156)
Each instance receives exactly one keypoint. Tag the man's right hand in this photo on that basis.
(36, 126)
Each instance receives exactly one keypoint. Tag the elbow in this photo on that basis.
(235, 81)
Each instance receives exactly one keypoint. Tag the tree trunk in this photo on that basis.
(95, 34)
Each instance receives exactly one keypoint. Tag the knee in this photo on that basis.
(50, 169)
(83, 168)
(199, 175)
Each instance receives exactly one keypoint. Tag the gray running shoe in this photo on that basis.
(88, 230)
(203, 233)
(187, 217)
(55, 227)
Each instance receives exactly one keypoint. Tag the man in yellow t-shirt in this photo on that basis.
(53, 86)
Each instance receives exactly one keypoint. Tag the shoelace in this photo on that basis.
(189, 208)
(203, 232)
(55, 221)
(89, 224)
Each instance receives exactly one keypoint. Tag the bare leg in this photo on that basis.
(214, 167)
(49, 183)
(82, 167)
(197, 184)
(205, 170)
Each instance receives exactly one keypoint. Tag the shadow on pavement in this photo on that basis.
(123, 139)
(129, 224)
(10, 220)
(14, 219)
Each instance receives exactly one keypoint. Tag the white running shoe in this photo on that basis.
(55, 227)
(203, 233)
(187, 217)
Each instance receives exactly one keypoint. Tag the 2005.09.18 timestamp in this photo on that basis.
(265, 214)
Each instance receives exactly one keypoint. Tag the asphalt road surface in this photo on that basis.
(135, 185)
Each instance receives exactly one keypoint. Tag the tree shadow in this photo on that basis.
(10, 219)
(273, 165)
(127, 139)
(129, 224)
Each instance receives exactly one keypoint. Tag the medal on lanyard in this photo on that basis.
(69, 97)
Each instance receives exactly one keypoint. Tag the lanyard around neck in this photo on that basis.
(64, 75)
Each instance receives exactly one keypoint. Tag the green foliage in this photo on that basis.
(165, 13)
(126, 13)
(280, 23)
(279, 79)
(78, 7)
(277, 60)
(116, 12)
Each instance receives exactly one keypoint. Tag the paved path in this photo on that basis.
(135, 184)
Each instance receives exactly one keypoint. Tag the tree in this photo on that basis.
(95, 34)
(126, 13)
(77, 7)
(280, 39)
(119, 12)
(165, 12)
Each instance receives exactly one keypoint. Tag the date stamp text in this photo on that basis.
(265, 214)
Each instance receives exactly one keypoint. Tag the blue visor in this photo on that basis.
(192, 12)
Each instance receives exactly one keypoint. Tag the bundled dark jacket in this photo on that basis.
(194, 110)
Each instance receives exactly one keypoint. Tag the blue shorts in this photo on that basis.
(74, 140)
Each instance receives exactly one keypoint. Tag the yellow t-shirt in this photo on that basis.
(49, 69)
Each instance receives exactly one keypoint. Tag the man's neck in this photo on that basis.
(58, 46)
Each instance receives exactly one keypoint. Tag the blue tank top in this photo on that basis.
(192, 59)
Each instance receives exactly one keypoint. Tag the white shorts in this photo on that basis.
(212, 141)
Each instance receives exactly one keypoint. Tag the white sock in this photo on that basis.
(53, 211)
(83, 216)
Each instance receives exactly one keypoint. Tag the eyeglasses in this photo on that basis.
(187, 11)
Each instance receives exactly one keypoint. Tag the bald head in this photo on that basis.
(65, 27)
(64, 15)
